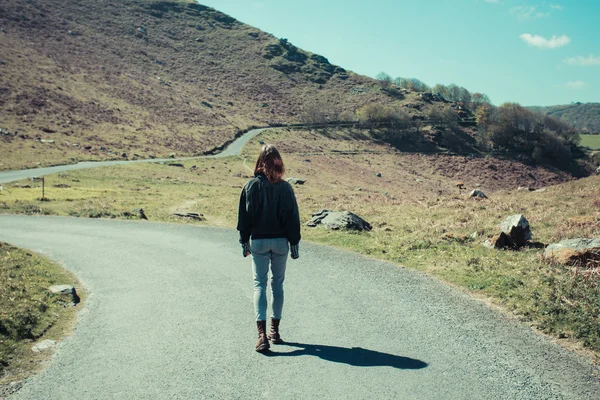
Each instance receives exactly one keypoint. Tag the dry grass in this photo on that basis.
(29, 312)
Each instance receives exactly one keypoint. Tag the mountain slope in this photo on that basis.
(583, 117)
(105, 77)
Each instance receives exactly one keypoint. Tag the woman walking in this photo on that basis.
(268, 216)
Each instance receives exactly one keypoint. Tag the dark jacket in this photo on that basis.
(268, 211)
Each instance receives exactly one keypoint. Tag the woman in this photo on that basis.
(268, 214)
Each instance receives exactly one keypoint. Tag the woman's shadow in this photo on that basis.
(356, 356)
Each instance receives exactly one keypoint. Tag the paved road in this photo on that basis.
(170, 316)
(231, 150)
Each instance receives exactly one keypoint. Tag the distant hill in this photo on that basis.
(107, 77)
(584, 117)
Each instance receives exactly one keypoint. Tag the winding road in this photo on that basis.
(169, 315)
(233, 149)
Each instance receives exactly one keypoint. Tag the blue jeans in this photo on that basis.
(265, 252)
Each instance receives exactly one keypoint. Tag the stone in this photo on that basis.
(296, 181)
(44, 345)
(190, 215)
(46, 141)
(525, 188)
(478, 194)
(500, 241)
(378, 174)
(517, 227)
(598, 170)
(66, 290)
(124, 155)
(172, 155)
(339, 220)
(317, 217)
(574, 251)
(140, 213)
(175, 165)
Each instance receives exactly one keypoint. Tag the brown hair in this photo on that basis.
(270, 163)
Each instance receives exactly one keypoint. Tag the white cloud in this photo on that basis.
(583, 61)
(523, 12)
(539, 41)
(576, 85)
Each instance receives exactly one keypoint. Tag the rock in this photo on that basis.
(124, 155)
(141, 214)
(574, 251)
(525, 188)
(44, 345)
(541, 190)
(474, 235)
(175, 165)
(339, 220)
(598, 170)
(517, 227)
(190, 215)
(317, 217)
(151, 156)
(46, 141)
(478, 193)
(62, 186)
(172, 155)
(66, 290)
(319, 59)
(500, 241)
(296, 181)
(378, 174)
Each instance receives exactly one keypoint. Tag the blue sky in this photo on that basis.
(530, 52)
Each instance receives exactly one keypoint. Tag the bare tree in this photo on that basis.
(384, 80)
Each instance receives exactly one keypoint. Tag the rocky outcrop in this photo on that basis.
(478, 194)
(296, 181)
(574, 252)
(336, 220)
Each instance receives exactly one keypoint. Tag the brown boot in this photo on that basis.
(274, 332)
(263, 342)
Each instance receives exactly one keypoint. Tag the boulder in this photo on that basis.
(296, 181)
(478, 193)
(339, 220)
(574, 251)
(500, 241)
(598, 170)
(44, 345)
(68, 290)
(517, 227)
(317, 217)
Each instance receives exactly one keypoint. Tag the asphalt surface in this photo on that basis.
(170, 315)
(233, 149)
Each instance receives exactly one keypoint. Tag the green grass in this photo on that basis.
(28, 311)
(419, 220)
(591, 141)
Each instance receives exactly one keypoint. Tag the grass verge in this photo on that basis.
(419, 219)
(29, 312)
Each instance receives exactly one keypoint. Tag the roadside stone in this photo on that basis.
(378, 174)
(296, 181)
(339, 220)
(478, 194)
(517, 227)
(44, 345)
(66, 290)
(190, 215)
(574, 251)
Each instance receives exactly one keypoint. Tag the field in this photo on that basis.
(591, 141)
(419, 218)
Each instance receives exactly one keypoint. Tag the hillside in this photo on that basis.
(105, 79)
(583, 117)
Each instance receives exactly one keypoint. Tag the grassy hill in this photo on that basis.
(583, 117)
(145, 77)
